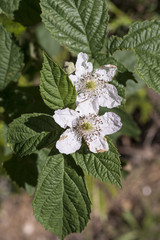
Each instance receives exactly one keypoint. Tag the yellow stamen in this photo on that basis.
(86, 126)
(90, 85)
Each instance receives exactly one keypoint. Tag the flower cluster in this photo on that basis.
(93, 90)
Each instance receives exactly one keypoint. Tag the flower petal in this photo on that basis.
(65, 117)
(97, 144)
(110, 123)
(69, 142)
(82, 65)
(88, 107)
(109, 97)
(74, 79)
(105, 72)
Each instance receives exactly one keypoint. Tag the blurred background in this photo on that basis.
(130, 213)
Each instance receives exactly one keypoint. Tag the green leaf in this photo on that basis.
(81, 25)
(9, 6)
(61, 201)
(103, 166)
(22, 170)
(121, 91)
(31, 132)
(11, 26)
(129, 126)
(133, 82)
(11, 59)
(56, 88)
(144, 39)
(42, 156)
(46, 41)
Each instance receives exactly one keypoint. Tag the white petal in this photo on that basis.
(81, 96)
(111, 123)
(109, 97)
(97, 144)
(82, 65)
(106, 72)
(65, 117)
(88, 106)
(74, 79)
(69, 142)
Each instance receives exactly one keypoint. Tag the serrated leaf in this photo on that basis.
(103, 166)
(32, 132)
(61, 201)
(42, 156)
(133, 82)
(81, 25)
(144, 39)
(129, 126)
(9, 7)
(56, 88)
(11, 59)
(113, 44)
(121, 91)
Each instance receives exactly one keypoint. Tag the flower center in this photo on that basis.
(90, 85)
(87, 126)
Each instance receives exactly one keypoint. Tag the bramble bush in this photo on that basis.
(48, 160)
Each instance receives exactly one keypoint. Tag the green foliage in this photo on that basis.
(11, 26)
(61, 201)
(141, 102)
(103, 166)
(144, 39)
(81, 25)
(56, 88)
(30, 132)
(8, 7)
(11, 59)
(47, 43)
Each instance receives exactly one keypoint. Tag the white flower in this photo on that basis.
(84, 122)
(94, 84)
